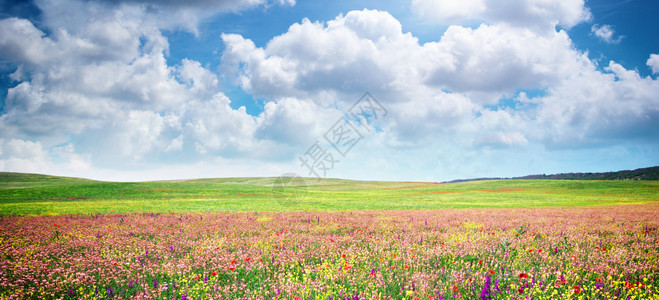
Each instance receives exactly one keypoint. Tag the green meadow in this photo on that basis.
(31, 194)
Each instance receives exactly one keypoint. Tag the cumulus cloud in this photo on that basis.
(653, 63)
(495, 60)
(605, 33)
(102, 75)
(169, 14)
(352, 53)
(21, 155)
(593, 107)
(539, 15)
(102, 86)
(71, 83)
(446, 84)
(345, 54)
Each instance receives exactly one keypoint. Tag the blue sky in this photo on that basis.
(142, 89)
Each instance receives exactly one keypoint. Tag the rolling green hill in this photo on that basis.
(26, 194)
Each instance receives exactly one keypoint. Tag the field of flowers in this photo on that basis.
(538, 253)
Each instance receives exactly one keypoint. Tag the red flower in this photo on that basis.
(576, 289)
(214, 274)
(296, 298)
(521, 290)
(332, 240)
(247, 258)
(492, 272)
(343, 255)
(407, 267)
(232, 268)
(523, 275)
(480, 262)
(455, 288)
(233, 262)
(392, 267)
(261, 259)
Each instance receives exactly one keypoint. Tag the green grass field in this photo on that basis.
(30, 194)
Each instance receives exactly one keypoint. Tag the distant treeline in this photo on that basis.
(651, 173)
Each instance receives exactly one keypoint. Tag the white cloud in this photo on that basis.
(167, 14)
(495, 60)
(101, 75)
(17, 155)
(293, 121)
(215, 127)
(200, 81)
(22, 42)
(100, 84)
(70, 160)
(605, 33)
(347, 55)
(445, 84)
(502, 139)
(594, 108)
(431, 115)
(449, 11)
(653, 63)
(538, 15)
(362, 50)
(23, 156)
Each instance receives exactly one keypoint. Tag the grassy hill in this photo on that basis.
(24, 194)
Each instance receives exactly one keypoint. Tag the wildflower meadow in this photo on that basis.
(605, 252)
